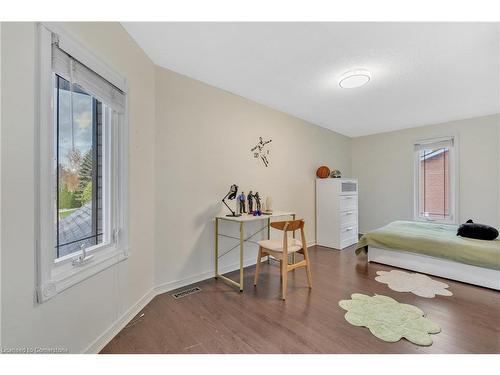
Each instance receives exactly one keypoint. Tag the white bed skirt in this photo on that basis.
(466, 273)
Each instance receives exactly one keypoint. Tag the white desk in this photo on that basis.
(244, 218)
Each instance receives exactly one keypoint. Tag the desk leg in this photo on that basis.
(216, 247)
(241, 256)
(293, 254)
(268, 234)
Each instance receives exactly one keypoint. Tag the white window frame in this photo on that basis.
(454, 179)
(56, 275)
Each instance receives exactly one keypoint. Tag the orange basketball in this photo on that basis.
(323, 172)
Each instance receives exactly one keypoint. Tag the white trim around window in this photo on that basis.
(57, 274)
(452, 143)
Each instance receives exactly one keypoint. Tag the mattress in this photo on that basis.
(436, 240)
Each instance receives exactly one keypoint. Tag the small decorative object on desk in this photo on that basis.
(323, 172)
(335, 174)
(250, 198)
(269, 206)
(257, 201)
(241, 203)
(233, 190)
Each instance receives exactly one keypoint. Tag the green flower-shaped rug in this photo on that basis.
(388, 319)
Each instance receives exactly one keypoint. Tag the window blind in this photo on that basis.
(440, 143)
(77, 73)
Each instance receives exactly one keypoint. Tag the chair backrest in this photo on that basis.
(290, 226)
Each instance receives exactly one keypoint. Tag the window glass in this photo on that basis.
(78, 125)
(434, 183)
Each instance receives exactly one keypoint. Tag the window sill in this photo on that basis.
(62, 280)
(434, 221)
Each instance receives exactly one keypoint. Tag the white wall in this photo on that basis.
(203, 141)
(78, 316)
(384, 165)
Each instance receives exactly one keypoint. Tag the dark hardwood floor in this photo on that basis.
(221, 320)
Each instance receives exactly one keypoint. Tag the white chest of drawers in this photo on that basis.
(336, 212)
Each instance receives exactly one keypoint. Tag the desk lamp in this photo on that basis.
(231, 195)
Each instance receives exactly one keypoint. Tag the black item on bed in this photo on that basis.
(477, 231)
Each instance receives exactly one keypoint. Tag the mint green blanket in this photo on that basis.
(436, 240)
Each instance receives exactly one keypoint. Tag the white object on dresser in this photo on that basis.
(336, 212)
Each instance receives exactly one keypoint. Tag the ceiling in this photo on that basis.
(422, 73)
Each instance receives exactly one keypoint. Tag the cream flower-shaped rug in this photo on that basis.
(389, 320)
(416, 283)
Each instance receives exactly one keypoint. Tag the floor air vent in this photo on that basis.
(186, 292)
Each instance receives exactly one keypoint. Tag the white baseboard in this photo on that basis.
(118, 325)
(172, 285)
(98, 344)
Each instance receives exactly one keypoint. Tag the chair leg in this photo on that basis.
(284, 276)
(257, 266)
(308, 269)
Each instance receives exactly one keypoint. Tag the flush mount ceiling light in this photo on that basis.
(354, 78)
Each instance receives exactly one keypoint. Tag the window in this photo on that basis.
(82, 141)
(435, 175)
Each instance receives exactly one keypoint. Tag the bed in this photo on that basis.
(434, 249)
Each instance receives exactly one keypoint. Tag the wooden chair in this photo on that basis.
(280, 249)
